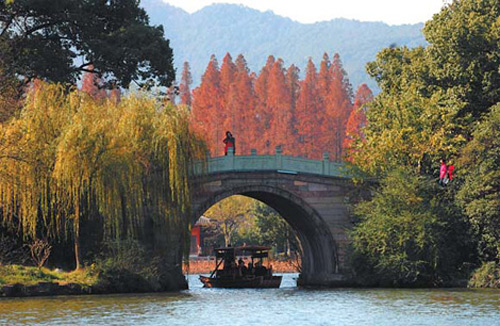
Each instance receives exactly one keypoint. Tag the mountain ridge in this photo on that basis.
(221, 28)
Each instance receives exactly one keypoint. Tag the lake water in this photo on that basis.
(287, 305)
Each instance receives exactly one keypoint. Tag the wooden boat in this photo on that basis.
(228, 274)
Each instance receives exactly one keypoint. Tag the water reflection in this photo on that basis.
(285, 306)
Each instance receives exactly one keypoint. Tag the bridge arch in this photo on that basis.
(314, 206)
(317, 245)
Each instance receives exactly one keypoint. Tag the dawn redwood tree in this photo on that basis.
(293, 84)
(42, 39)
(261, 112)
(338, 106)
(308, 121)
(324, 76)
(357, 118)
(185, 85)
(242, 100)
(278, 107)
(207, 108)
(93, 85)
(227, 80)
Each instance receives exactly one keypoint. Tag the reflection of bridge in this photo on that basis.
(310, 194)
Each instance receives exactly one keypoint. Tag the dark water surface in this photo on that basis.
(285, 306)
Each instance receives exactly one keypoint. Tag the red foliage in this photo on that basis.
(91, 85)
(357, 118)
(185, 85)
(208, 113)
(275, 108)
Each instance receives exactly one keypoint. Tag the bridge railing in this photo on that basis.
(280, 163)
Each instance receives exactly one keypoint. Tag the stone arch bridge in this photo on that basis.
(310, 194)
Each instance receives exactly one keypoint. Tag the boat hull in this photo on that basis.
(242, 283)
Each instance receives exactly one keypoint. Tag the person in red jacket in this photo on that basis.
(451, 167)
(229, 141)
(443, 171)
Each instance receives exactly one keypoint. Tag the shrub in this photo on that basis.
(486, 276)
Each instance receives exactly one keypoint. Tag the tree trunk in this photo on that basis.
(76, 229)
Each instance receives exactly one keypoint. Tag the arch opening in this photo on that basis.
(317, 247)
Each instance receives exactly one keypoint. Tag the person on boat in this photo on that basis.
(242, 268)
(250, 268)
(260, 270)
(229, 141)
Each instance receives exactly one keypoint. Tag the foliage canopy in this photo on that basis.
(69, 158)
(58, 40)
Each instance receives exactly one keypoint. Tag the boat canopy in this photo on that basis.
(254, 251)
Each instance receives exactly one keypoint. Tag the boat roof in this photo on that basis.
(244, 248)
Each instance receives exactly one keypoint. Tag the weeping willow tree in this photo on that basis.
(68, 158)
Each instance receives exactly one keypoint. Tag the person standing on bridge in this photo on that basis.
(229, 141)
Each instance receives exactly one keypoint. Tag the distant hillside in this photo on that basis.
(236, 29)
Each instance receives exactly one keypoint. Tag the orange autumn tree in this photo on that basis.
(308, 121)
(278, 107)
(185, 85)
(293, 84)
(227, 81)
(357, 118)
(242, 104)
(207, 111)
(338, 104)
(92, 85)
(262, 114)
(275, 108)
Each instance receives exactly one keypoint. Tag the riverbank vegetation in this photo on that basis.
(84, 171)
(436, 103)
(30, 275)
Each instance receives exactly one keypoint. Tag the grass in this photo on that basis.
(28, 275)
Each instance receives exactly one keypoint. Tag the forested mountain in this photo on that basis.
(236, 29)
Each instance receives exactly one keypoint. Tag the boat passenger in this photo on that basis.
(243, 270)
(260, 270)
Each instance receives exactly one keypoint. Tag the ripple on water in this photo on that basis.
(285, 306)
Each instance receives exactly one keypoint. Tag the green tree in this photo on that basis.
(273, 230)
(410, 123)
(480, 193)
(464, 50)
(229, 214)
(58, 40)
(431, 100)
(409, 236)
